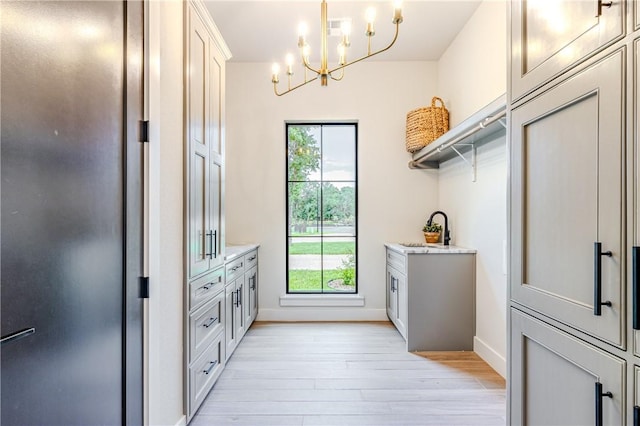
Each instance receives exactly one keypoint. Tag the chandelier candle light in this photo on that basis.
(324, 72)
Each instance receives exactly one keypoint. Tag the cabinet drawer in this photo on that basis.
(204, 372)
(250, 259)
(396, 260)
(205, 288)
(204, 324)
(235, 269)
(558, 375)
(549, 37)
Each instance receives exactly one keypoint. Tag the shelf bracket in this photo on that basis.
(471, 163)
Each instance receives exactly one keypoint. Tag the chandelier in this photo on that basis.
(324, 73)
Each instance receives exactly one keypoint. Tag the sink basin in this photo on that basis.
(423, 245)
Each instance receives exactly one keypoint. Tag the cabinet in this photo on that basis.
(553, 271)
(573, 213)
(251, 287)
(204, 245)
(563, 380)
(204, 94)
(241, 293)
(397, 303)
(431, 296)
(548, 38)
(234, 318)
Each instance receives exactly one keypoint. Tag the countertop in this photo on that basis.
(428, 249)
(234, 250)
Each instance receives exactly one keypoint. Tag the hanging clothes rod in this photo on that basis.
(415, 163)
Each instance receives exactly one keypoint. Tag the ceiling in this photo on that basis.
(266, 30)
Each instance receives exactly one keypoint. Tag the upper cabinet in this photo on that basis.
(204, 100)
(548, 37)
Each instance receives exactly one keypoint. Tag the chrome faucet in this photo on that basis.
(446, 237)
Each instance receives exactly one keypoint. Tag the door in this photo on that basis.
(252, 295)
(551, 36)
(70, 166)
(561, 380)
(567, 194)
(230, 319)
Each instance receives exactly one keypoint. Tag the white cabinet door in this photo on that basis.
(556, 378)
(392, 295)
(567, 193)
(230, 326)
(634, 211)
(548, 37)
(251, 296)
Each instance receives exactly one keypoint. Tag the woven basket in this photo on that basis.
(424, 125)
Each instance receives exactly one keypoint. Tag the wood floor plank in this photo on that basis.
(311, 374)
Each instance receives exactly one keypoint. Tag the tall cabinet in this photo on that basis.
(573, 216)
(205, 56)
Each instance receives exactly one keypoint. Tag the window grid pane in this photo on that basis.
(322, 208)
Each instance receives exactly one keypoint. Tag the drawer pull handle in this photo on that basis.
(599, 395)
(252, 257)
(636, 289)
(597, 277)
(602, 4)
(210, 323)
(636, 416)
(17, 335)
(214, 243)
(252, 280)
(211, 365)
(393, 286)
(207, 286)
(210, 253)
(239, 297)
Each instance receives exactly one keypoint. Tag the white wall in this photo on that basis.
(165, 338)
(472, 73)
(393, 200)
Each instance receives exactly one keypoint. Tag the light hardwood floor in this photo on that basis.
(349, 374)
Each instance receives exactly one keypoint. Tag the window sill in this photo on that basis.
(349, 300)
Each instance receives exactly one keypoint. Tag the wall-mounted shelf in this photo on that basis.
(464, 138)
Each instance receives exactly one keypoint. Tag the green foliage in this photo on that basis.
(305, 280)
(348, 270)
(434, 227)
(303, 152)
(305, 209)
(333, 247)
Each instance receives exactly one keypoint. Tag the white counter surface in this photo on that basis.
(234, 250)
(423, 248)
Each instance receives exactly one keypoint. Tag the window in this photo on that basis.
(322, 209)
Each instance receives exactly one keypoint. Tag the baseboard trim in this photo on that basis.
(292, 314)
(493, 358)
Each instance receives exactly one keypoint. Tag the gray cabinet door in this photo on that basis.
(392, 295)
(634, 201)
(198, 140)
(230, 327)
(251, 299)
(548, 37)
(567, 192)
(554, 377)
(402, 308)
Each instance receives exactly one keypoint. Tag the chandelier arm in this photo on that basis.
(275, 88)
(337, 78)
(395, 37)
(305, 62)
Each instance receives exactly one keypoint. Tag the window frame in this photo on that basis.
(322, 123)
